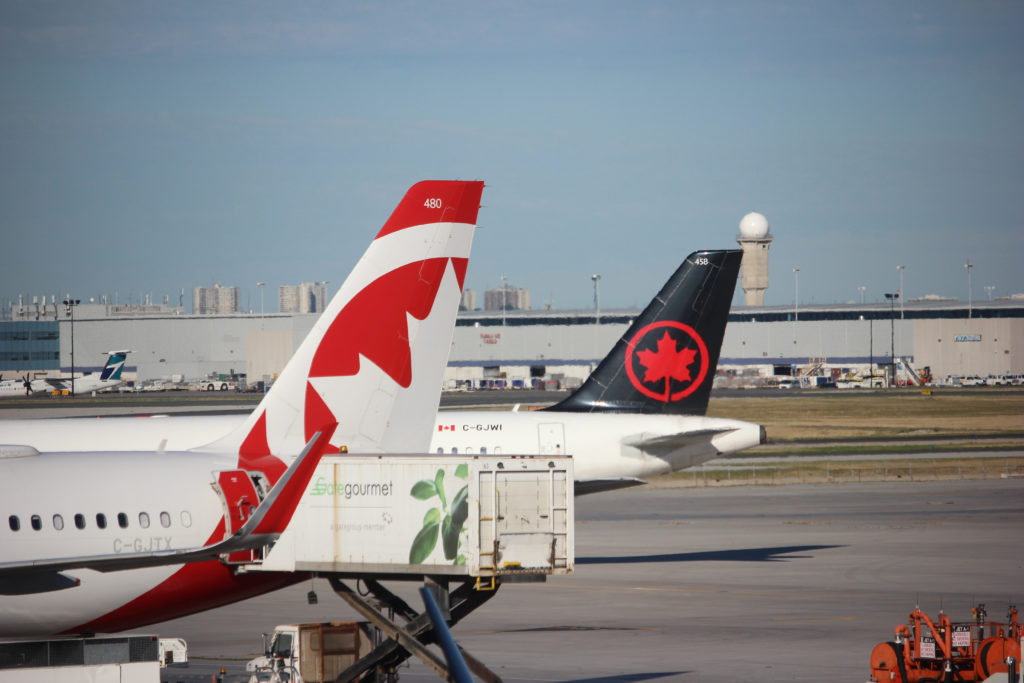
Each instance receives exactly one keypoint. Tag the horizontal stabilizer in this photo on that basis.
(585, 486)
(661, 446)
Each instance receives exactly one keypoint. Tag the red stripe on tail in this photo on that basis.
(436, 201)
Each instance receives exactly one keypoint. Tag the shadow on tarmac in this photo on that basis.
(629, 677)
(738, 555)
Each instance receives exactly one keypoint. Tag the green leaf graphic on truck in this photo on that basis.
(446, 521)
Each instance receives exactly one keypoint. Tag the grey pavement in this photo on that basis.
(787, 583)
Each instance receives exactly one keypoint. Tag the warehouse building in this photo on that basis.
(510, 345)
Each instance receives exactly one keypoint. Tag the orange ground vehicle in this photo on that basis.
(925, 651)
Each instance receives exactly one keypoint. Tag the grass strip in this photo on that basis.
(801, 471)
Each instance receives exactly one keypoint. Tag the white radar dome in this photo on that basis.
(754, 226)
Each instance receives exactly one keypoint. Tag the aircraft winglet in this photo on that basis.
(279, 505)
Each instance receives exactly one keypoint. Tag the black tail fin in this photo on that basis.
(666, 361)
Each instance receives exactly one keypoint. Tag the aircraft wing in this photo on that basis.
(265, 524)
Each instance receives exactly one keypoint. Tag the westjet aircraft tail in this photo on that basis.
(666, 361)
(115, 364)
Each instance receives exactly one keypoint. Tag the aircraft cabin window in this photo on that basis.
(37, 522)
(186, 519)
(455, 451)
(122, 520)
(14, 522)
(58, 522)
(483, 450)
(144, 520)
(440, 451)
(165, 519)
(101, 520)
(80, 521)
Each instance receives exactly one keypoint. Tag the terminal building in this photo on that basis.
(509, 345)
(524, 348)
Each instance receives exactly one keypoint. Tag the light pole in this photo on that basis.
(901, 269)
(862, 288)
(892, 296)
(969, 266)
(796, 294)
(988, 290)
(871, 352)
(597, 300)
(69, 309)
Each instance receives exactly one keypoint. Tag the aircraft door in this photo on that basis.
(551, 438)
(239, 496)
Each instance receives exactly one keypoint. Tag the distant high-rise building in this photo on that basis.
(216, 299)
(507, 298)
(468, 300)
(309, 297)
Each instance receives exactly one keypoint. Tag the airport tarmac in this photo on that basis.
(783, 583)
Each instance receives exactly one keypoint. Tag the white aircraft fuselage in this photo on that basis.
(137, 504)
(603, 445)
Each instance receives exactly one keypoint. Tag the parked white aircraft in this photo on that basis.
(108, 378)
(105, 541)
(21, 387)
(641, 413)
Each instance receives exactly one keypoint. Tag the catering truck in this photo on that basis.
(470, 520)
(474, 516)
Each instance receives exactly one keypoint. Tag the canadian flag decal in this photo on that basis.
(446, 428)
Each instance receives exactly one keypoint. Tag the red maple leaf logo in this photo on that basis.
(667, 363)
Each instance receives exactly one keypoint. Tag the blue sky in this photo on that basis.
(147, 147)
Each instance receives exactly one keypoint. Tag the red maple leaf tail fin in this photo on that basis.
(374, 360)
